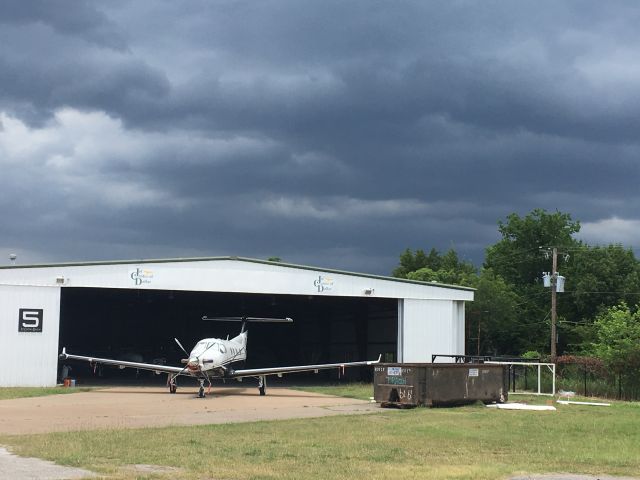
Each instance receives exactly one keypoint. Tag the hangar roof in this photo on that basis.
(108, 274)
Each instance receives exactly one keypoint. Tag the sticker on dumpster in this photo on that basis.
(396, 381)
(394, 371)
(473, 372)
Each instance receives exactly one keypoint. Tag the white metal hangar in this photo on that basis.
(134, 309)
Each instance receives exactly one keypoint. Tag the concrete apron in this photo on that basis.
(138, 407)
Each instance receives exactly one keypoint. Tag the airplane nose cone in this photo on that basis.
(192, 364)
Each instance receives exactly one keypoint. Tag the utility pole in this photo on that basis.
(553, 279)
(554, 303)
(479, 318)
(477, 339)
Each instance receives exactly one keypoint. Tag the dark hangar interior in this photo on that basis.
(140, 325)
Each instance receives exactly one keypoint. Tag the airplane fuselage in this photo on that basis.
(214, 357)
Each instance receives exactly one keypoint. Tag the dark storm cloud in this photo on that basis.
(335, 133)
(79, 19)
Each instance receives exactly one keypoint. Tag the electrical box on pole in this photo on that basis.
(556, 282)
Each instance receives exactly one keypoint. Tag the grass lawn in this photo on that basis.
(470, 442)
(359, 390)
(7, 393)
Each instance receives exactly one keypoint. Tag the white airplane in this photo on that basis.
(215, 358)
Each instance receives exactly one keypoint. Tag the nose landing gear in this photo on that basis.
(172, 383)
(201, 389)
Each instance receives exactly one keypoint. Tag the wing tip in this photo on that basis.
(371, 362)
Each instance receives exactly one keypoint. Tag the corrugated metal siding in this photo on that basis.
(400, 343)
(430, 327)
(29, 358)
(459, 328)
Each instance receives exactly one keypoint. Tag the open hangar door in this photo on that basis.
(140, 325)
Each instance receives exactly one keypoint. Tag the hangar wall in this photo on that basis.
(29, 322)
(430, 316)
(428, 327)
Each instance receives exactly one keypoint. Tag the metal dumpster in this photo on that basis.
(399, 384)
(434, 384)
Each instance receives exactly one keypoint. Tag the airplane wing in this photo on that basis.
(257, 372)
(121, 363)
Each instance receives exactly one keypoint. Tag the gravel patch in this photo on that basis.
(23, 468)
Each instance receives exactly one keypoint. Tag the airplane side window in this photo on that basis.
(222, 349)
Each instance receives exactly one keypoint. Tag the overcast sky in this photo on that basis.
(329, 133)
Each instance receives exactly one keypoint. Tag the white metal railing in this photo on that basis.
(550, 366)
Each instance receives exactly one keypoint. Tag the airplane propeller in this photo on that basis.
(189, 355)
(180, 345)
(200, 374)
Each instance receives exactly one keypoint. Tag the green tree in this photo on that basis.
(597, 278)
(410, 262)
(447, 268)
(602, 276)
(512, 304)
(496, 310)
(517, 256)
(617, 340)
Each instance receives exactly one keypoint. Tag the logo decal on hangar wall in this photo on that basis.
(141, 275)
(323, 284)
(30, 320)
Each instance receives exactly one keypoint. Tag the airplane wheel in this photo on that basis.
(201, 392)
(173, 388)
(262, 391)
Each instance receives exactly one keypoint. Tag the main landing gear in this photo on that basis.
(262, 385)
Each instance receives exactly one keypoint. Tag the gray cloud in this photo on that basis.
(82, 20)
(327, 133)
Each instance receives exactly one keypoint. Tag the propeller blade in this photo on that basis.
(180, 345)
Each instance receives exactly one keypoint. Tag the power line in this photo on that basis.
(603, 293)
(519, 253)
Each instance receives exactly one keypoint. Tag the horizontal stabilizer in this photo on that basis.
(249, 319)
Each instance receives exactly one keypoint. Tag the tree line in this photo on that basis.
(598, 314)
